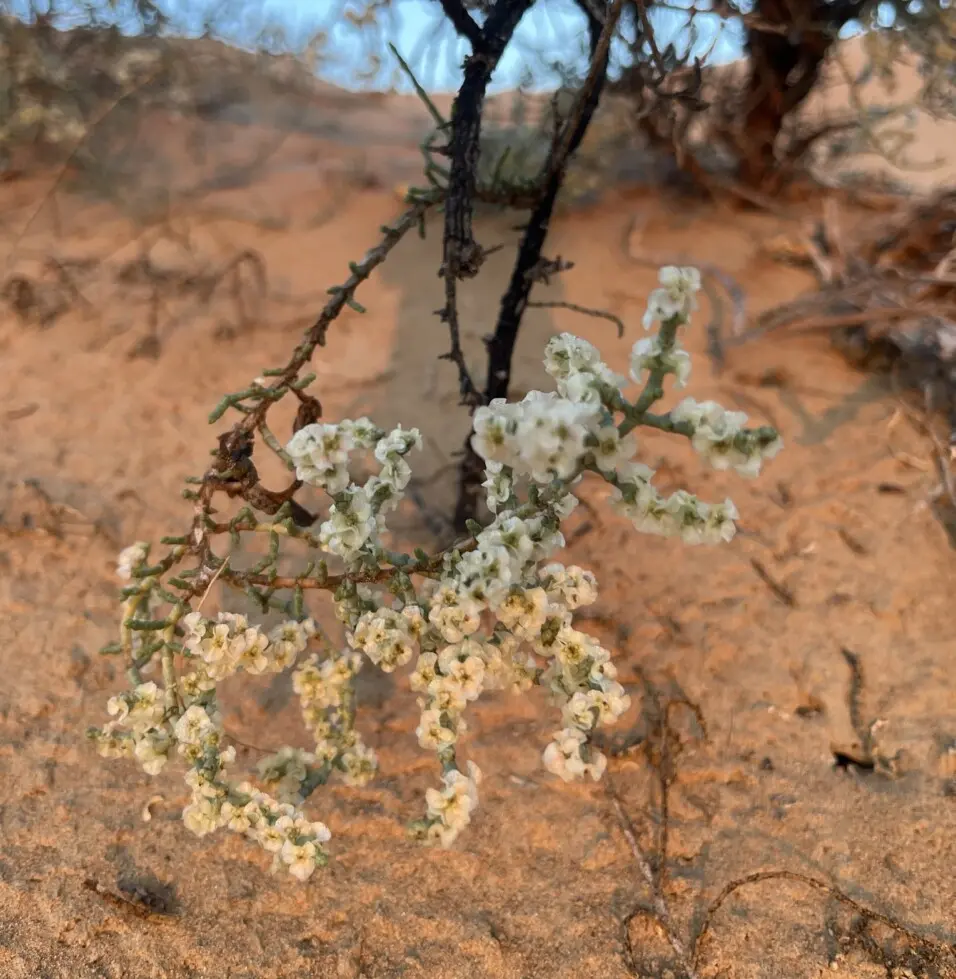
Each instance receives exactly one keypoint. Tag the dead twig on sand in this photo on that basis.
(935, 952)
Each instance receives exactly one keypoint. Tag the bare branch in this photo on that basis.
(463, 22)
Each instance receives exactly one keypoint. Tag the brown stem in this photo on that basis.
(463, 255)
(515, 300)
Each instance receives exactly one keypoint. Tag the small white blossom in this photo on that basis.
(386, 637)
(648, 354)
(719, 437)
(194, 727)
(498, 485)
(611, 450)
(360, 763)
(453, 615)
(299, 857)
(450, 808)
(350, 525)
(398, 442)
(152, 751)
(564, 756)
(432, 734)
(287, 640)
(494, 427)
(320, 453)
(524, 611)
(130, 558)
(677, 296)
(571, 586)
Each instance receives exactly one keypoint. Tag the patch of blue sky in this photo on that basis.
(356, 55)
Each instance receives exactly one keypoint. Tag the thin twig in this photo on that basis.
(584, 310)
(661, 912)
(933, 947)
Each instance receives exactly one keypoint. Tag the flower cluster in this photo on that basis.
(143, 729)
(451, 806)
(495, 612)
(278, 827)
(321, 455)
(719, 436)
(326, 697)
(230, 644)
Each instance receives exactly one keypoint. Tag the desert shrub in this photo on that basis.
(494, 611)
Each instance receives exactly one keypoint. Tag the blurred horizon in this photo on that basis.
(355, 55)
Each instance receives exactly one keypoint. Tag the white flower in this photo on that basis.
(523, 611)
(648, 354)
(130, 558)
(571, 586)
(566, 354)
(287, 640)
(270, 837)
(719, 526)
(577, 367)
(202, 815)
(453, 616)
(386, 637)
(551, 433)
(451, 806)
(611, 450)
(463, 665)
(350, 525)
(285, 771)
(299, 858)
(398, 442)
(146, 710)
(152, 750)
(581, 388)
(111, 742)
(675, 298)
(320, 453)
(360, 764)
(194, 625)
(238, 818)
(588, 708)
(493, 426)
(252, 651)
(194, 727)
(498, 485)
(432, 734)
(362, 432)
(719, 437)
(564, 756)
(194, 684)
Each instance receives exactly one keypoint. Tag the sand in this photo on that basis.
(104, 416)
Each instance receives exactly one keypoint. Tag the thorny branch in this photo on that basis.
(515, 300)
(463, 256)
(463, 22)
(234, 472)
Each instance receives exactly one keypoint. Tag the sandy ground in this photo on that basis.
(104, 414)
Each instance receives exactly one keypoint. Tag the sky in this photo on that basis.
(359, 58)
(551, 29)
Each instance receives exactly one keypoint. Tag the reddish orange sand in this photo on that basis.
(541, 883)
